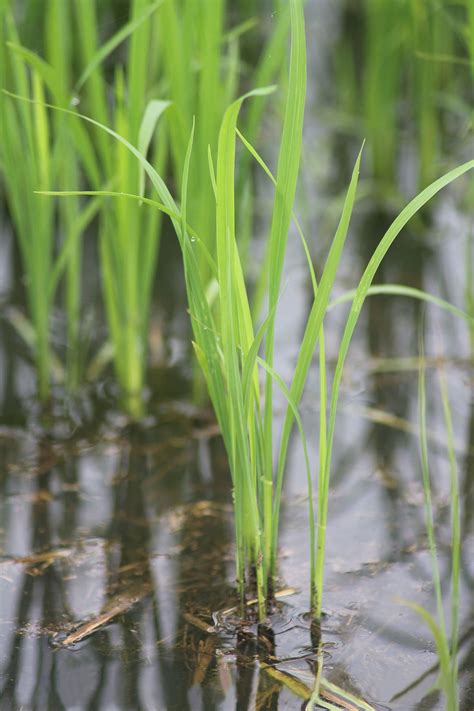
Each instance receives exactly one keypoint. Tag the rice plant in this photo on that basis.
(227, 343)
(159, 76)
(411, 54)
(226, 346)
(55, 151)
(128, 236)
(37, 153)
(195, 59)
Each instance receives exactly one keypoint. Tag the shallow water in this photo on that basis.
(116, 541)
(138, 523)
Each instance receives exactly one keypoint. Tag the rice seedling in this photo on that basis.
(444, 636)
(54, 150)
(227, 347)
(160, 77)
(195, 59)
(411, 55)
(128, 264)
(128, 236)
(227, 344)
(194, 35)
(45, 159)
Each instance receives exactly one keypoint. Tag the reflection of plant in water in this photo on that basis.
(41, 599)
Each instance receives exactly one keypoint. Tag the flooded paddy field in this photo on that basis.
(117, 550)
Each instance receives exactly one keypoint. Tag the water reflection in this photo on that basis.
(131, 536)
(108, 581)
(33, 593)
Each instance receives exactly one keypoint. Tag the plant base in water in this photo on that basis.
(274, 652)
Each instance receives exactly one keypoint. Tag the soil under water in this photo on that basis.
(116, 541)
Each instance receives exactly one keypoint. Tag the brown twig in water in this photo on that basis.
(117, 606)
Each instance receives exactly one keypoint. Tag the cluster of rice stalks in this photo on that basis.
(414, 86)
(170, 67)
(38, 152)
(227, 343)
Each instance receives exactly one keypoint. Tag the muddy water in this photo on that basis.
(116, 545)
(117, 549)
(116, 542)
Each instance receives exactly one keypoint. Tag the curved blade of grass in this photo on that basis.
(312, 330)
(294, 409)
(401, 290)
(156, 180)
(151, 116)
(287, 177)
(225, 224)
(322, 704)
(146, 201)
(240, 29)
(455, 520)
(361, 292)
(440, 640)
(100, 360)
(326, 684)
(48, 75)
(269, 173)
(46, 71)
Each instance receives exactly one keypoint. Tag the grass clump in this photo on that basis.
(128, 236)
(38, 154)
(176, 60)
(228, 343)
(403, 83)
(59, 151)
